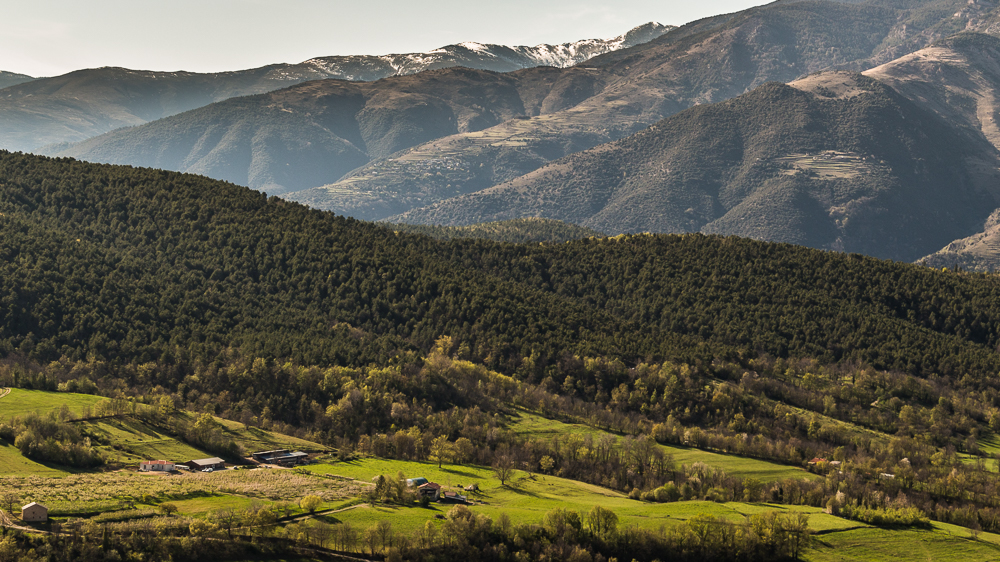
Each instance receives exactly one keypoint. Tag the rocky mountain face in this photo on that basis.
(301, 136)
(836, 161)
(86, 103)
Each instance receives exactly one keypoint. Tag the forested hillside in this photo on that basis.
(13, 78)
(136, 265)
(164, 290)
(517, 231)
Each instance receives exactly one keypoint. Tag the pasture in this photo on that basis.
(19, 402)
(526, 423)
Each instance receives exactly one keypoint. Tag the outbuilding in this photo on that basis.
(215, 463)
(267, 456)
(291, 459)
(35, 513)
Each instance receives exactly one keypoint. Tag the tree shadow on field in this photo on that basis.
(462, 473)
(521, 491)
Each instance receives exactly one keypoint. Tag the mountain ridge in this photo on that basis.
(86, 103)
(564, 111)
(703, 62)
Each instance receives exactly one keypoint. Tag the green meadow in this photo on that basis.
(530, 498)
(527, 499)
(12, 462)
(20, 402)
(126, 439)
(526, 423)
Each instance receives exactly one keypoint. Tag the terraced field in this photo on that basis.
(827, 165)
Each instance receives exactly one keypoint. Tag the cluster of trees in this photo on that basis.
(51, 439)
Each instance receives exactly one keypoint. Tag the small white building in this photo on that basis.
(34, 512)
(156, 466)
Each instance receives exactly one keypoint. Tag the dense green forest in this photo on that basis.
(135, 265)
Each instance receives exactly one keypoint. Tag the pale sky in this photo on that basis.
(51, 37)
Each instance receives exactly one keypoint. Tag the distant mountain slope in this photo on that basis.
(957, 78)
(835, 161)
(706, 61)
(300, 137)
(979, 252)
(86, 103)
(13, 79)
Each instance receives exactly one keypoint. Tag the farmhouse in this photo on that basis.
(156, 466)
(34, 512)
(430, 490)
(215, 463)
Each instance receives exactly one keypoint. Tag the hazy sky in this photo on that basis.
(50, 37)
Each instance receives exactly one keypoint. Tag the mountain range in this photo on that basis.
(688, 132)
(85, 103)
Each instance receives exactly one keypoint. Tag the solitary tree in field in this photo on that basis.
(310, 503)
(9, 499)
(503, 468)
(441, 449)
(227, 519)
(167, 509)
(602, 521)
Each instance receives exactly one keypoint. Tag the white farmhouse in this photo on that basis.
(156, 466)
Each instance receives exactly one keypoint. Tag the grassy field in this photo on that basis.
(20, 402)
(256, 439)
(135, 441)
(835, 538)
(527, 423)
(529, 499)
(12, 462)
(870, 544)
(126, 439)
